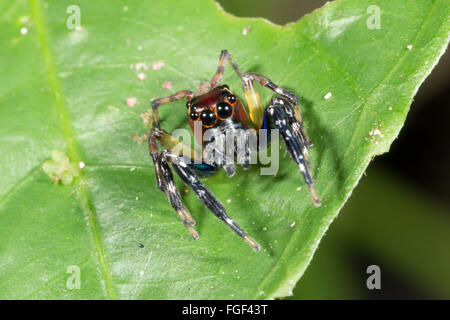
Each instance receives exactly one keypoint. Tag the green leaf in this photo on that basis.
(67, 89)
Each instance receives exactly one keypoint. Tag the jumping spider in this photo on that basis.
(217, 108)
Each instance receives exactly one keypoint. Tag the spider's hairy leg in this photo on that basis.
(292, 98)
(251, 95)
(157, 134)
(165, 182)
(164, 177)
(224, 57)
(159, 101)
(278, 116)
(208, 199)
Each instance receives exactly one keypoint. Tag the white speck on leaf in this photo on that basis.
(141, 65)
(167, 85)
(158, 65)
(246, 30)
(409, 46)
(376, 135)
(131, 102)
(376, 132)
(292, 224)
(141, 76)
(327, 96)
(81, 165)
(24, 31)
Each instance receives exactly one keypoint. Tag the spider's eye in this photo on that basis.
(208, 117)
(231, 99)
(228, 96)
(224, 110)
(194, 116)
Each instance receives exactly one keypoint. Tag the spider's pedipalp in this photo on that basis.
(289, 96)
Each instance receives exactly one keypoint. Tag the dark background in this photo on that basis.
(398, 216)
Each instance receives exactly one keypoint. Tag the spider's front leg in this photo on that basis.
(280, 115)
(165, 182)
(164, 177)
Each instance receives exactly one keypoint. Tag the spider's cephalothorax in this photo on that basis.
(216, 109)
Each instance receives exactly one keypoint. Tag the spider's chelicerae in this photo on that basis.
(217, 110)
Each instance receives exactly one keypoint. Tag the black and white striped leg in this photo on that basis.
(208, 199)
(278, 113)
(164, 180)
(296, 127)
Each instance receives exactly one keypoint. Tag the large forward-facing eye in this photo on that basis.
(208, 118)
(224, 110)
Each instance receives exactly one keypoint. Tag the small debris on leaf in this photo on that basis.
(167, 85)
(158, 65)
(141, 65)
(246, 30)
(327, 96)
(131, 102)
(59, 168)
(139, 139)
(376, 135)
(146, 118)
(141, 76)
